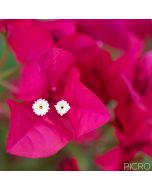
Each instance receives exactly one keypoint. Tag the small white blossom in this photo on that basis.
(40, 107)
(62, 107)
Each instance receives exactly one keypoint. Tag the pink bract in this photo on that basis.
(28, 131)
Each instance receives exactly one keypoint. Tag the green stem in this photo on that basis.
(8, 73)
(4, 56)
(8, 86)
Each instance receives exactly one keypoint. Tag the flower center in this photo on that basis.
(40, 107)
(62, 107)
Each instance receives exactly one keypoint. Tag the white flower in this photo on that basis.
(62, 107)
(40, 107)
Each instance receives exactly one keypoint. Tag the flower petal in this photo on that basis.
(32, 83)
(31, 136)
(111, 160)
(76, 42)
(62, 61)
(87, 112)
(29, 43)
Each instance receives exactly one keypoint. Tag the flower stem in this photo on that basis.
(8, 86)
(4, 56)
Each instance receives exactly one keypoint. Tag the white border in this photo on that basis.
(75, 9)
(75, 180)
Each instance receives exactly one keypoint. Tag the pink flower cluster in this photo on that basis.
(67, 77)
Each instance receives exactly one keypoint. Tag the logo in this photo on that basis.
(137, 166)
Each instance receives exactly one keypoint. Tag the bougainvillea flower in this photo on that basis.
(133, 129)
(133, 116)
(94, 70)
(92, 62)
(28, 41)
(11, 24)
(35, 136)
(134, 133)
(76, 43)
(124, 65)
(114, 159)
(69, 164)
(98, 72)
(140, 27)
(110, 161)
(113, 32)
(142, 81)
(57, 28)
